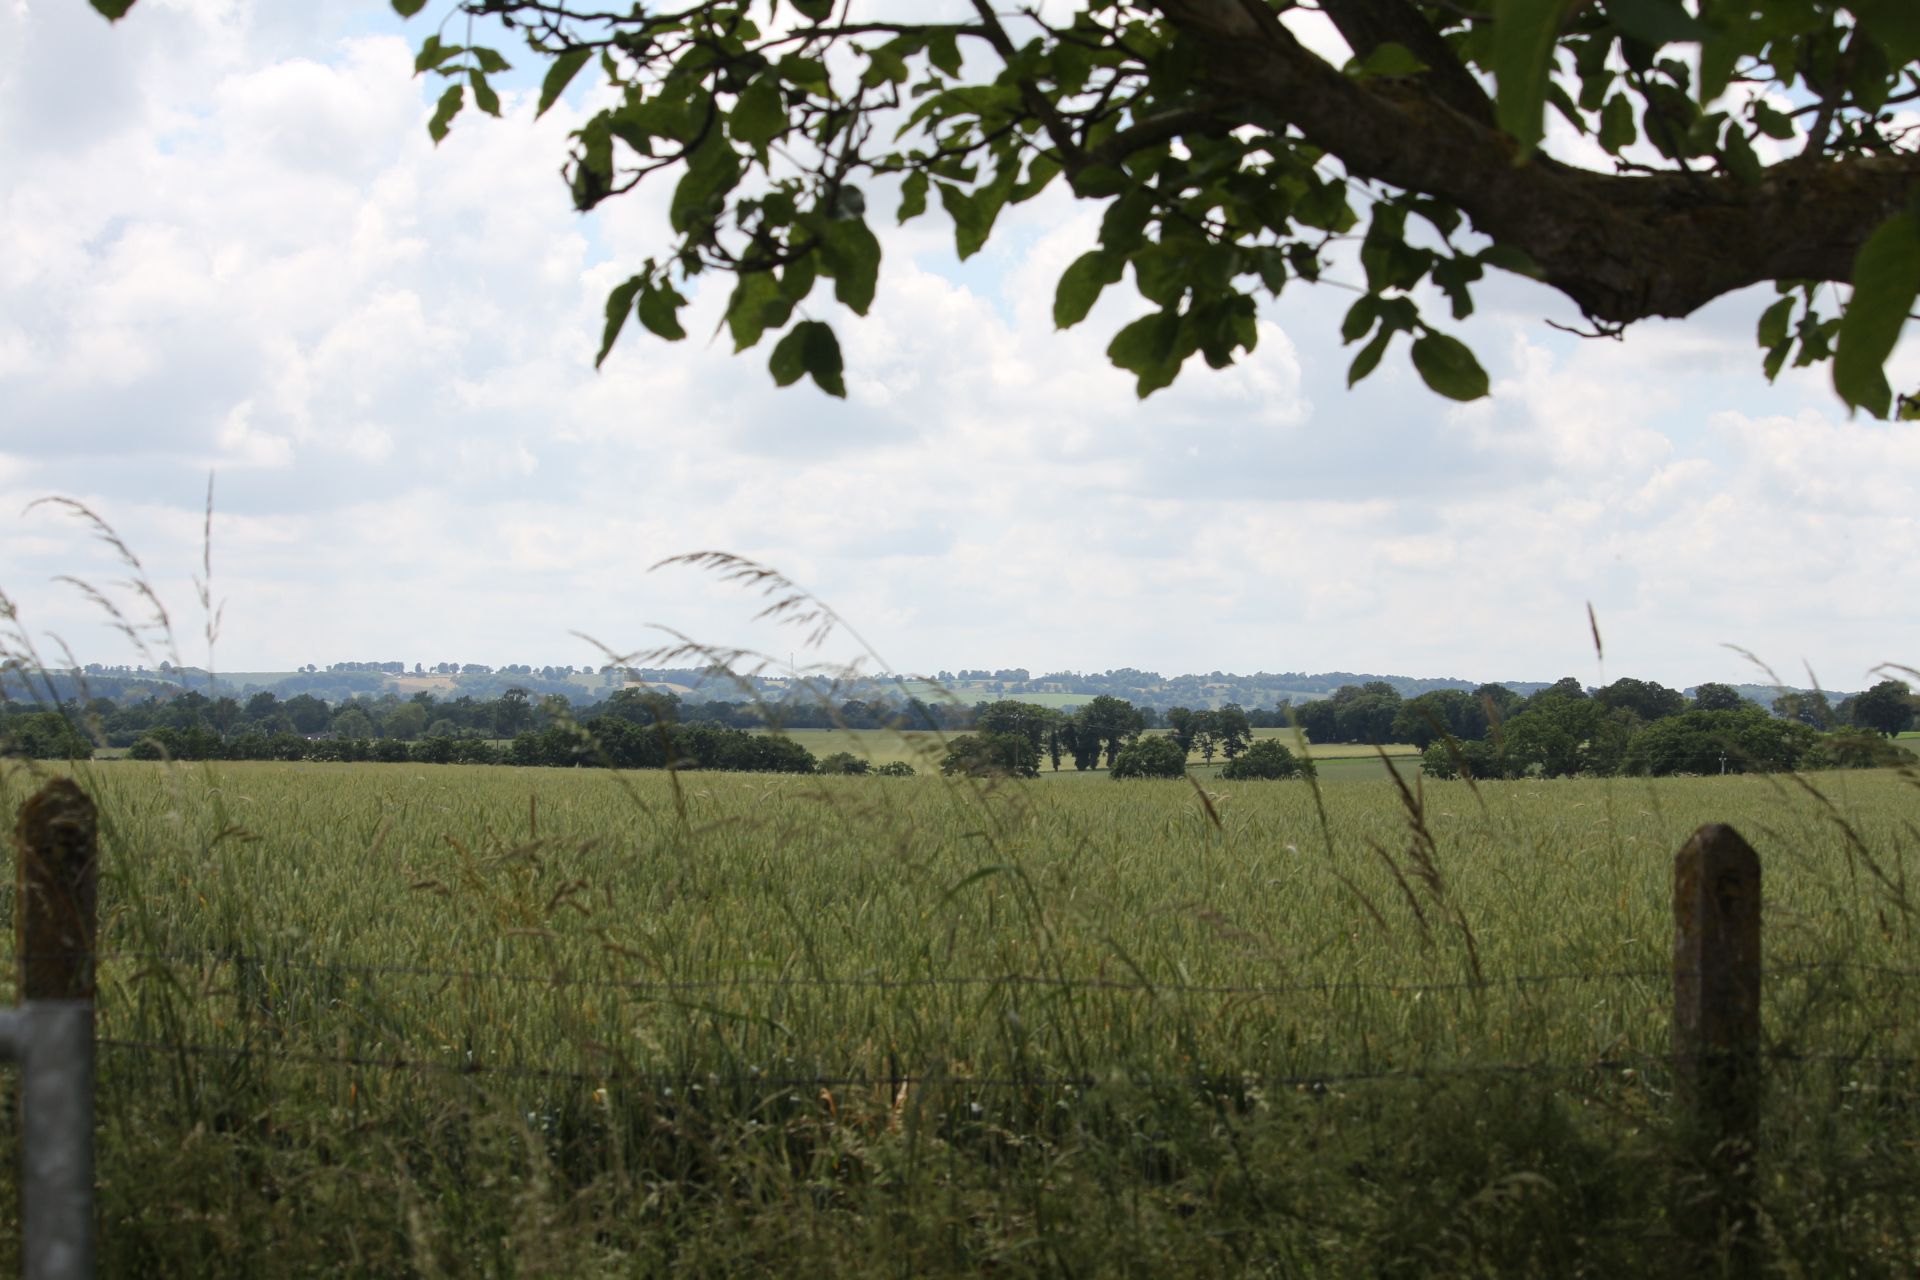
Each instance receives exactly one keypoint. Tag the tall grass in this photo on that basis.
(419, 1020)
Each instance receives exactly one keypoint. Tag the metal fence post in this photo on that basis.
(51, 1033)
(1716, 1034)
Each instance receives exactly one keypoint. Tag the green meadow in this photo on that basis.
(405, 1020)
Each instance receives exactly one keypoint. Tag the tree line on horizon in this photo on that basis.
(1630, 725)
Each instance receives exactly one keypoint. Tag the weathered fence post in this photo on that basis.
(51, 1033)
(1716, 1033)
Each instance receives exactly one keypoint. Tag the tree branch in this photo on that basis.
(1368, 24)
(1623, 248)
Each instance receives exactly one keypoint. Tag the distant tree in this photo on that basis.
(262, 705)
(1645, 698)
(1011, 716)
(1112, 722)
(308, 713)
(405, 722)
(1206, 734)
(1268, 759)
(353, 723)
(1151, 756)
(1185, 726)
(1886, 709)
(1368, 716)
(512, 713)
(1320, 721)
(1711, 741)
(1810, 708)
(643, 706)
(991, 754)
(1720, 697)
(1231, 730)
(1421, 720)
(897, 769)
(1554, 735)
(1496, 703)
(1564, 687)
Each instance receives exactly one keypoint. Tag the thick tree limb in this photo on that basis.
(1623, 247)
(1368, 24)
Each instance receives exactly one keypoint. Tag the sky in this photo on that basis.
(233, 250)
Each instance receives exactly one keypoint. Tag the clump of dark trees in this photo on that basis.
(1633, 727)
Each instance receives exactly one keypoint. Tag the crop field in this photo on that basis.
(1340, 761)
(401, 1020)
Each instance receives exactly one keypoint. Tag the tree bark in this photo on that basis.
(1623, 247)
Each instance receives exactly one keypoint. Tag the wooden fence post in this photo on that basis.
(56, 906)
(56, 856)
(1716, 1035)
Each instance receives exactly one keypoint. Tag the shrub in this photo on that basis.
(1858, 751)
(1154, 757)
(44, 735)
(992, 754)
(845, 762)
(432, 750)
(1482, 756)
(895, 769)
(1267, 758)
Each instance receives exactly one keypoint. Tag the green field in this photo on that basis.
(1339, 762)
(434, 1020)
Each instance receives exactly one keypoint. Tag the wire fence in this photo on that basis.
(400, 1060)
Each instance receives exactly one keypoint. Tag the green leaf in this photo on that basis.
(1449, 367)
(1388, 59)
(658, 310)
(490, 60)
(1359, 321)
(1508, 258)
(760, 114)
(1145, 348)
(970, 225)
(853, 251)
(1099, 180)
(1081, 284)
(559, 76)
(1656, 22)
(483, 95)
(712, 172)
(432, 54)
(943, 50)
(913, 195)
(1775, 124)
(619, 303)
(816, 10)
(1886, 279)
(1742, 163)
(1616, 124)
(796, 282)
(809, 347)
(443, 114)
(1893, 24)
(1369, 357)
(755, 306)
(405, 8)
(804, 73)
(114, 10)
(1774, 321)
(787, 364)
(1524, 36)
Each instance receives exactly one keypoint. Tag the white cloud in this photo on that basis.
(244, 252)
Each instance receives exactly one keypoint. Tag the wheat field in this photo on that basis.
(416, 1020)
